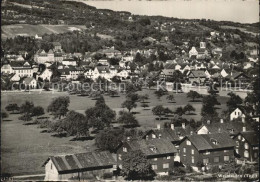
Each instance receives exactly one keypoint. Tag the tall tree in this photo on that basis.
(12, 107)
(129, 104)
(234, 101)
(128, 119)
(158, 111)
(59, 106)
(135, 166)
(193, 95)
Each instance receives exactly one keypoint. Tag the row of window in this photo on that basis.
(165, 166)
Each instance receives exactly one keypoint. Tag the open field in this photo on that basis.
(25, 144)
(253, 31)
(9, 31)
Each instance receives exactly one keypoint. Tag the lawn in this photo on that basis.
(9, 31)
(25, 148)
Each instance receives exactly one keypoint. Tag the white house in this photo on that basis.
(15, 78)
(68, 62)
(237, 113)
(31, 82)
(193, 52)
(46, 74)
(223, 73)
(7, 69)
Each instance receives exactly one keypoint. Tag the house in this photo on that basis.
(57, 46)
(247, 143)
(193, 52)
(220, 127)
(41, 57)
(103, 62)
(167, 73)
(78, 166)
(159, 152)
(68, 62)
(45, 75)
(110, 52)
(14, 77)
(30, 82)
(37, 37)
(70, 72)
(197, 76)
(209, 149)
(22, 69)
(7, 69)
(237, 113)
(238, 78)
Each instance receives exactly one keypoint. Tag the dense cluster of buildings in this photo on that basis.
(211, 145)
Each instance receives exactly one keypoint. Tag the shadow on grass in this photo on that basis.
(172, 102)
(162, 118)
(146, 109)
(82, 138)
(59, 135)
(217, 108)
(135, 112)
(131, 126)
(190, 114)
(146, 102)
(31, 123)
(195, 101)
(115, 96)
(45, 131)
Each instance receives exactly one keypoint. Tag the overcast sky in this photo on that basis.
(230, 10)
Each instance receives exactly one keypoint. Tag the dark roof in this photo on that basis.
(17, 63)
(172, 135)
(205, 142)
(82, 161)
(161, 146)
(56, 44)
(251, 137)
(197, 74)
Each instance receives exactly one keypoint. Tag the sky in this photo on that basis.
(246, 11)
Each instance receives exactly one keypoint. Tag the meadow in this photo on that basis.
(25, 148)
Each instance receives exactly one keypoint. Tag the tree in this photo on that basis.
(116, 79)
(158, 111)
(26, 108)
(144, 97)
(233, 102)
(37, 111)
(188, 108)
(59, 106)
(144, 105)
(159, 93)
(208, 110)
(4, 115)
(170, 98)
(75, 124)
(101, 115)
(109, 139)
(12, 107)
(129, 104)
(135, 166)
(180, 111)
(128, 119)
(193, 95)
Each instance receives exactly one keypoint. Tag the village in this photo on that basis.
(164, 105)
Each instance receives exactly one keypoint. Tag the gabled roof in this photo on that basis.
(56, 44)
(206, 142)
(82, 161)
(161, 146)
(251, 137)
(197, 74)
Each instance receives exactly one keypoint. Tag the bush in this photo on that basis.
(25, 118)
(4, 115)
(189, 169)
(107, 175)
(214, 169)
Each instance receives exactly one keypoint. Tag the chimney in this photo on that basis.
(172, 126)
(243, 119)
(158, 126)
(221, 121)
(244, 128)
(208, 122)
(183, 125)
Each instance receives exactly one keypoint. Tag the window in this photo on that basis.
(154, 166)
(206, 153)
(153, 136)
(226, 158)
(166, 165)
(237, 142)
(51, 166)
(168, 157)
(216, 159)
(155, 159)
(192, 159)
(243, 139)
(205, 161)
(124, 149)
(237, 151)
(184, 150)
(188, 142)
(235, 113)
(255, 155)
(192, 151)
(246, 154)
(246, 146)
(119, 157)
(225, 151)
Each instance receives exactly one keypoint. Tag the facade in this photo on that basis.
(159, 152)
(209, 149)
(247, 143)
(30, 82)
(78, 166)
(193, 52)
(197, 76)
(237, 113)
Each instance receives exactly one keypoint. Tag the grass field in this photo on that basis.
(25, 148)
(9, 31)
